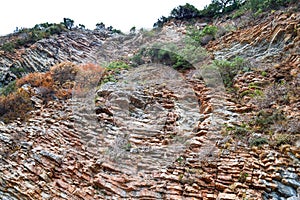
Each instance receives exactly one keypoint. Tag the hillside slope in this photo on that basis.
(153, 132)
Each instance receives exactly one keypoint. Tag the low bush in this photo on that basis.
(32, 35)
(258, 5)
(15, 105)
(274, 94)
(281, 139)
(178, 57)
(8, 89)
(59, 83)
(117, 65)
(64, 72)
(8, 47)
(203, 36)
(265, 118)
(259, 141)
(137, 59)
(239, 132)
(229, 69)
(112, 70)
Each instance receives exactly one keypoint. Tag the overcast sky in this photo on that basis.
(121, 14)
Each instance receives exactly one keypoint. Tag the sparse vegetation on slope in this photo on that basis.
(27, 36)
(180, 130)
(58, 84)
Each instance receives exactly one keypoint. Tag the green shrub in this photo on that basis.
(282, 139)
(229, 69)
(133, 30)
(108, 78)
(137, 59)
(18, 71)
(8, 47)
(259, 141)
(238, 131)
(170, 54)
(8, 89)
(258, 6)
(148, 33)
(264, 73)
(163, 53)
(209, 30)
(117, 31)
(196, 37)
(238, 13)
(212, 10)
(264, 119)
(189, 55)
(117, 65)
(111, 70)
(187, 11)
(33, 35)
(161, 21)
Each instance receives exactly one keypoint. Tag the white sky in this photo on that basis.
(120, 14)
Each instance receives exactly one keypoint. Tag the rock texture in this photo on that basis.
(155, 133)
(76, 46)
(53, 156)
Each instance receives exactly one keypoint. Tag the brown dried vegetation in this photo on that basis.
(57, 84)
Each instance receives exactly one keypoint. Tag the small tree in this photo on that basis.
(160, 22)
(69, 23)
(110, 28)
(185, 12)
(81, 26)
(212, 9)
(133, 30)
(100, 26)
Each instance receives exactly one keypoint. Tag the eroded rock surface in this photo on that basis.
(155, 133)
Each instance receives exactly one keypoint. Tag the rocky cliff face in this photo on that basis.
(75, 46)
(80, 46)
(156, 133)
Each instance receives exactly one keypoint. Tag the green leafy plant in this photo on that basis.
(148, 33)
(128, 146)
(31, 35)
(8, 47)
(238, 13)
(209, 30)
(266, 118)
(264, 73)
(258, 6)
(8, 89)
(137, 59)
(180, 59)
(187, 11)
(243, 177)
(240, 131)
(259, 141)
(281, 139)
(117, 65)
(196, 37)
(111, 70)
(17, 71)
(229, 69)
